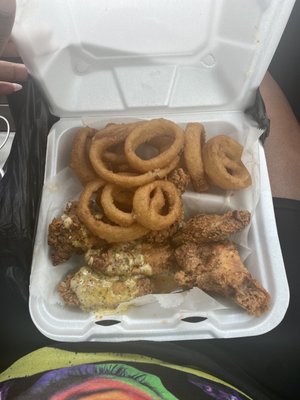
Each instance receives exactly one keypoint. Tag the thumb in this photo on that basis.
(7, 17)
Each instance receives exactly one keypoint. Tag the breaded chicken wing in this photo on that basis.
(217, 268)
(94, 292)
(180, 179)
(67, 235)
(165, 235)
(65, 291)
(131, 259)
(205, 228)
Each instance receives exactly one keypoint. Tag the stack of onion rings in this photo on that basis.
(112, 154)
(130, 136)
(147, 131)
(110, 233)
(97, 150)
(161, 199)
(128, 166)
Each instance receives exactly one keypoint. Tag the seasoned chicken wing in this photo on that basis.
(94, 292)
(217, 268)
(131, 258)
(67, 235)
(205, 228)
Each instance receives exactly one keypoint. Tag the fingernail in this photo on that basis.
(17, 87)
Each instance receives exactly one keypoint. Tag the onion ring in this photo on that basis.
(109, 196)
(80, 162)
(115, 155)
(192, 154)
(161, 143)
(124, 197)
(145, 132)
(110, 233)
(223, 165)
(98, 148)
(150, 215)
(114, 198)
(116, 129)
(157, 201)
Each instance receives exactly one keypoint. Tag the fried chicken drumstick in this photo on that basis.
(217, 268)
(205, 228)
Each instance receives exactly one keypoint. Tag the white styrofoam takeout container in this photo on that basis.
(185, 61)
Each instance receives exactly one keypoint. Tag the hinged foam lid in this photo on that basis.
(124, 57)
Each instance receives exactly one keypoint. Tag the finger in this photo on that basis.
(7, 17)
(9, 88)
(12, 72)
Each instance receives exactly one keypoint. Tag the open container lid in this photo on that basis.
(131, 57)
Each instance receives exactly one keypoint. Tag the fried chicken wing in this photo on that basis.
(93, 292)
(66, 293)
(217, 268)
(131, 259)
(205, 228)
(165, 235)
(180, 179)
(67, 235)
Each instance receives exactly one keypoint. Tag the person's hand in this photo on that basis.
(10, 73)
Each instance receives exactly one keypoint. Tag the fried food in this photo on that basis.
(217, 268)
(205, 228)
(130, 216)
(223, 164)
(66, 293)
(115, 155)
(99, 147)
(119, 273)
(156, 206)
(116, 129)
(109, 197)
(80, 162)
(161, 143)
(194, 139)
(105, 230)
(180, 179)
(93, 292)
(143, 133)
(165, 235)
(151, 215)
(67, 235)
(131, 258)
